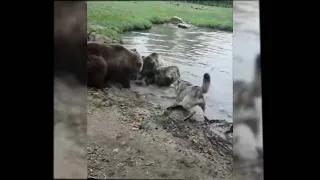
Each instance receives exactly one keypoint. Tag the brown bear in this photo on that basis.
(150, 65)
(122, 62)
(97, 70)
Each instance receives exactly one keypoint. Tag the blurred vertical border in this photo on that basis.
(70, 92)
(249, 53)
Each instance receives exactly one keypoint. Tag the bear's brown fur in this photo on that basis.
(122, 62)
(97, 71)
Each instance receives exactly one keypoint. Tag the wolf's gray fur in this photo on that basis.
(189, 95)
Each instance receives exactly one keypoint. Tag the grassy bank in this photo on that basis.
(112, 18)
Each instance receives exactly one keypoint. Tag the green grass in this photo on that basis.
(114, 17)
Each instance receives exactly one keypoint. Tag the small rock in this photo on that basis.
(116, 150)
(194, 141)
(96, 162)
(103, 159)
(136, 125)
(176, 20)
(128, 149)
(184, 26)
(120, 165)
(150, 163)
(123, 143)
(89, 150)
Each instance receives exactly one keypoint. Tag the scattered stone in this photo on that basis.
(116, 150)
(150, 164)
(195, 142)
(128, 149)
(120, 165)
(89, 150)
(176, 20)
(184, 26)
(103, 159)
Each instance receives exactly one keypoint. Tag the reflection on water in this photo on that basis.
(195, 51)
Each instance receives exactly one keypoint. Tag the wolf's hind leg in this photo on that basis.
(203, 107)
(190, 115)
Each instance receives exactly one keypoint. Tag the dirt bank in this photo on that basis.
(132, 137)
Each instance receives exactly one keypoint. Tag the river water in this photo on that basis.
(194, 51)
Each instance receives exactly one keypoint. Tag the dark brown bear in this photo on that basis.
(97, 71)
(122, 62)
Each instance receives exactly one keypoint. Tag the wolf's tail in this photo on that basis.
(206, 83)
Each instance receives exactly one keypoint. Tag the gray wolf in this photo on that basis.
(189, 95)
